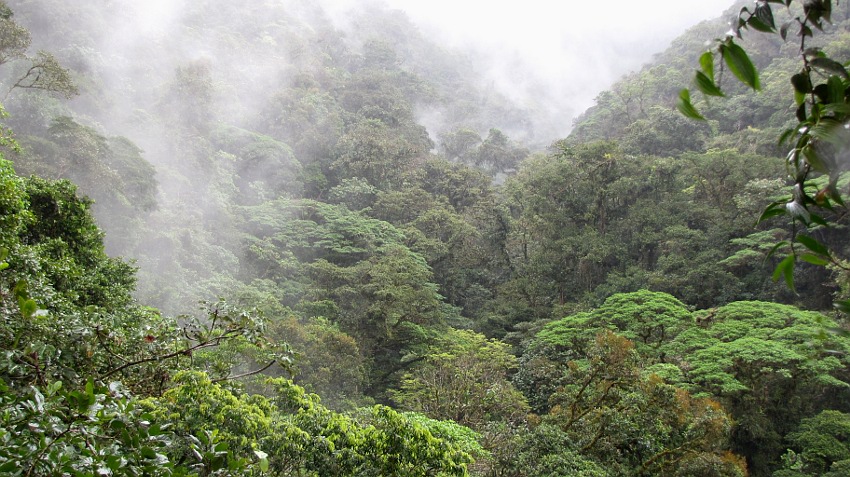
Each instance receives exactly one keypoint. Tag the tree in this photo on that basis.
(463, 378)
(78, 350)
(820, 91)
(79, 153)
(352, 270)
(769, 364)
(41, 71)
(634, 423)
(372, 150)
(296, 435)
(821, 446)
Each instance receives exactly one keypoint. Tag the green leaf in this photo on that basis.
(686, 108)
(783, 30)
(836, 89)
(148, 453)
(831, 131)
(114, 462)
(833, 193)
(757, 24)
(765, 15)
(54, 388)
(775, 248)
(787, 134)
(740, 65)
(802, 83)
(786, 269)
(28, 308)
(830, 66)
(264, 460)
(772, 210)
(812, 245)
(814, 158)
(706, 62)
(817, 219)
(801, 112)
(837, 108)
(706, 85)
(813, 259)
(842, 306)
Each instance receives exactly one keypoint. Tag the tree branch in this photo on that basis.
(245, 375)
(186, 351)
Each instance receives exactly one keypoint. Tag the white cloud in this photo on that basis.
(576, 48)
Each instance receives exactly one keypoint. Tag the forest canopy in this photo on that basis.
(241, 244)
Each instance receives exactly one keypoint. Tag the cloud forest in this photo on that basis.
(270, 239)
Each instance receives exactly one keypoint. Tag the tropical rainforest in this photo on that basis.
(247, 239)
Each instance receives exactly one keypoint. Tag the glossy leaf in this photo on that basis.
(837, 108)
(706, 85)
(757, 24)
(814, 159)
(774, 209)
(740, 65)
(831, 131)
(685, 107)
(830, 66)
(765, 15)
(802, 83)
(812, 245)
(836, 89)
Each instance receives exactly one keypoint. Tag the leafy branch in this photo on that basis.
(822, 95)
(223, 327)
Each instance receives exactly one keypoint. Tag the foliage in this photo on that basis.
(463, 378)
(329, 362)
(818, 137)
(769, 365)
(299, 436)
(354, 271)
(288, 167)
(41, 72)
(55, 430)
(546, 450)
(51, 427)
(610, 408)
(634, 424)
(821, 441)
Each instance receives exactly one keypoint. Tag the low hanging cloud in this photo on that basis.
(556, 55)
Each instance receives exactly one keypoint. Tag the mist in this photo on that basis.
(552, 57)
(230, 102)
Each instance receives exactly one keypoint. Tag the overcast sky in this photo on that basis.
(574, 49)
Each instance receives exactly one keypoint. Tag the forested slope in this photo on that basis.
(346, 199)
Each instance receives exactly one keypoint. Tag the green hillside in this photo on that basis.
(257, 240)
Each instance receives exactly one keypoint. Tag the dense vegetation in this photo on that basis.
(463, 302)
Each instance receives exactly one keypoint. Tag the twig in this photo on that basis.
(245, 375)
(206, 344)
